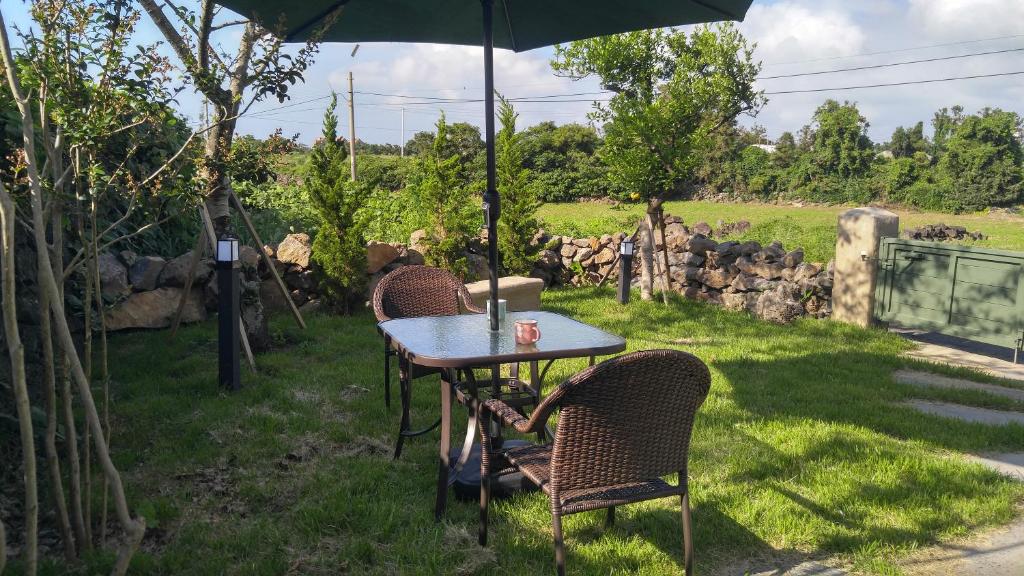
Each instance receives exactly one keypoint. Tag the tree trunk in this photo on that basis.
(134, 528)
(654, 258)
(16, 351)
(646, 261)
(3, 547)
(50, 442)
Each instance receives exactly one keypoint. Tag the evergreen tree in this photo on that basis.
(444, 194)
(518, 195)
(340, 246)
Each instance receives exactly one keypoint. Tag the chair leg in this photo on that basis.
(404, 386)
(485, 484)
(687, 534)
(556, 525)
(387, 375)
(609, 519)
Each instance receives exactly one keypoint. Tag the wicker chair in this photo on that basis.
(623, 425)
(409, 292)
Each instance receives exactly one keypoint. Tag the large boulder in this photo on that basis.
(740, 301)
(113, 275)
(155, 309)
(144, 273)
(295, 249)
(175, 273)
(379, 255)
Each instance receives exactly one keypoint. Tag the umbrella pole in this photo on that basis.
(491, 206)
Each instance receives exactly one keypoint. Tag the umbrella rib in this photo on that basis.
(508, 24)
(714, 8)
(315, 20)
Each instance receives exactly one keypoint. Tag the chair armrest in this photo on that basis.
(509, 416)
(472, 308)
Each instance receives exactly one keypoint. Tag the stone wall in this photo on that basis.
(769, 281)
(941, 233)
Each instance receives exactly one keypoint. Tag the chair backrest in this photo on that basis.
(412, 291)
(627, 419)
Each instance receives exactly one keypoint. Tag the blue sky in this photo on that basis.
(793, 36)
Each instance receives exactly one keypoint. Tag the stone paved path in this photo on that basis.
(967, 413)
(941, 349)
(925, 379)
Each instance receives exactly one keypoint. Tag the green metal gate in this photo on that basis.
(972, 293)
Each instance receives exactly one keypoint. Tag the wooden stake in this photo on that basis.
(197, 255)
(266, 259)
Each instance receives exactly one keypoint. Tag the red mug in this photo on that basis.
(527, 331)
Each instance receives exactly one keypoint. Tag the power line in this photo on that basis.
(886, 85)
(904, 63)
(910, 49)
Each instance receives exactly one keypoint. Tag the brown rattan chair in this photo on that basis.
(623, 425)
(409, 292)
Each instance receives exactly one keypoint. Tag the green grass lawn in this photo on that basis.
(798, 453)
(812, 227)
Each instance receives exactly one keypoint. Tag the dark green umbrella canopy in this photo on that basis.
(518, 24)
(514, 24)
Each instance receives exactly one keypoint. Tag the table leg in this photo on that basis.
(474, 414)
(445, 445)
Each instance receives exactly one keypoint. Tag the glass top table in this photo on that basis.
(464, 342)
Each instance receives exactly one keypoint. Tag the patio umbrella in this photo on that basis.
(521, 25)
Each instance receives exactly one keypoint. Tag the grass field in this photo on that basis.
(799, 452)
(811, 227)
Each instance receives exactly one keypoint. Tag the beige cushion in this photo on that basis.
(522, 293)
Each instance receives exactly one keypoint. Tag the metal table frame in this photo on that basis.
(468, 391)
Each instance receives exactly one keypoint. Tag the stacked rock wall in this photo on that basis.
(769, 281)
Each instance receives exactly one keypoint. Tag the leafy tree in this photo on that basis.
(444, 194)
(421, 143)
(377, 149)
(983, 161)
(786, 151)
(340, 246)
(563, 163)
(841, 146)
(672, 91)
(944, 123)
(518, 195)
(906, 142)
(256, 161)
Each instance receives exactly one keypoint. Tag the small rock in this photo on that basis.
(794, 258)
(248, 256)
(379, 255)
(295, 249)
(699, 244)
(605, 256)
(583, 254)
(702, 228)
(568, 250)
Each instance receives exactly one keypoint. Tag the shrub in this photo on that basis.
(384, 171)
(278, 209)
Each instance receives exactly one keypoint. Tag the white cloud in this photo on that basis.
(953, 20)
(786, 31)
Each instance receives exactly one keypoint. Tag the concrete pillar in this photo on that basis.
(853, 292)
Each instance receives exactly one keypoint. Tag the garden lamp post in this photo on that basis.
(625, 269)
(228, 313)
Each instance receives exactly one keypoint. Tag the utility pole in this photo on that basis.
(403, 132)
(351, 126)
